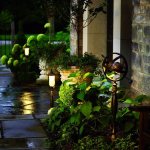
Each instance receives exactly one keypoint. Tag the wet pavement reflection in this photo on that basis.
(21, 110)
(23, 99)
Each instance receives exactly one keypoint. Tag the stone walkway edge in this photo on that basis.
(22, 132)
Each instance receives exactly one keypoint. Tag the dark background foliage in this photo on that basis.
(31, 15)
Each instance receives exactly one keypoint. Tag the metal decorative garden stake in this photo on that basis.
(115, 69)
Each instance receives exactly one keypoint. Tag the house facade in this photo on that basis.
(124, 29)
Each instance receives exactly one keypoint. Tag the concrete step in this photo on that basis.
(23, 144)
(28, 128)
(22, 132)
(4, 70)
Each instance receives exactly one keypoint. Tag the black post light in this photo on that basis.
(115, 69)
(51, 79)
(26, 51)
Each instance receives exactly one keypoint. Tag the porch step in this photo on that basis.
(4, 70)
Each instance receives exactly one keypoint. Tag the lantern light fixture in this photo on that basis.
(51, 79)
(26, 51)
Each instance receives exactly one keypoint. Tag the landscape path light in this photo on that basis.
(51, 80)
(26, 51)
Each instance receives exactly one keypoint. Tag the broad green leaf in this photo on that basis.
(71, 108)
(75, 118)
(88, 88)
(81, 95)
(81, 129)
(72, 75)
(51, 110)
(88, 74)
(96, 108)
(122, 112)
(110, 75)
(104, 80)
(83, 86)
(72, 119)
(86, 109)
(68, 82)
(57, 122)
(52, 127)
(140, 98)
(105, 85)
(130, 101)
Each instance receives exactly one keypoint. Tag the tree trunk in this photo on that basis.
(52, 29)
(76, 42)
(12, 32)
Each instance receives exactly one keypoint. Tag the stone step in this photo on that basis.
(13, 143)
(24, 144)
(28, 128)
(9, 117)
(4, 70)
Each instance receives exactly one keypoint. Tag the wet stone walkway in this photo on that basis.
(21, 111)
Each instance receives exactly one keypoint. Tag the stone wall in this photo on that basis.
(141, 46)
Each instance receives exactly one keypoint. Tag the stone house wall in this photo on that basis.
(141, 47)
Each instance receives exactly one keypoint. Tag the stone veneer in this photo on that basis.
(141, 46)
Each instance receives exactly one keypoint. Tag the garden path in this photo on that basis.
(21, 111)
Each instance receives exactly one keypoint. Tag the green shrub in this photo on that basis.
(43, 49)
(20, 65)
(31, 40)
(42, 38)
(4, 59)
(82, 118)
(15, 63)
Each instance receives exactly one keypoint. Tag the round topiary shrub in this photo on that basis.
(42, 37)
(10, 61)
(15, 63)
(4, 59)
(31, 40)
(16, 49)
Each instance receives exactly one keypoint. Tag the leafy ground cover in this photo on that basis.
(82, 118)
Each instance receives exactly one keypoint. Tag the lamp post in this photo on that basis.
(26, 51)
(51, 79)
(115, 70)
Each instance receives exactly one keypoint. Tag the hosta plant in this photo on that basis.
(82, 117)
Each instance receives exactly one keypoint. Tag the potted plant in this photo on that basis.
(46, 52)
(89, 62)
(24, 68)
(67, 63)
